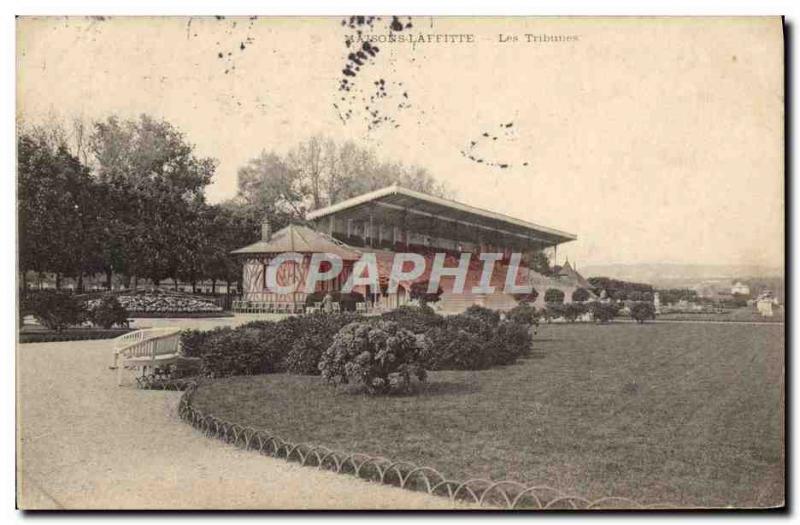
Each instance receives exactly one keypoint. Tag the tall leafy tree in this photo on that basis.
(155, 188)
(59, 226)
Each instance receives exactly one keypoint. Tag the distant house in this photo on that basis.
(740, 288)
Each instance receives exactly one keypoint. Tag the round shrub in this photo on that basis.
(382, 357)
(108, 312)
(523, 313)
(455, 349)
(56, 310)
(482, 326)
(554, 296)
(642, 311)
(510, 342)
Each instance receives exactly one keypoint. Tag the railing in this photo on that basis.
(151, 347)
(481, 492)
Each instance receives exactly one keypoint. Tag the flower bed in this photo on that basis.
(157, 303)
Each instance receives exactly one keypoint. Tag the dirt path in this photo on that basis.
(84, 443)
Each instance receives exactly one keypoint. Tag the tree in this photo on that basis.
(317, 173)
(538, 261)
(603, 312)
(270, 188)
(580, 295)
(642, 311)
(155, 187)
(59, 211)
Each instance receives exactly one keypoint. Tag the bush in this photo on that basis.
(482, 326)
(455, 349)
(293, 345)
(510, 342)
(194, 343)
(643, 311)
(417, 319)
(56, 310)
(553, 296)
(316, 333)
(580, 295)
(474, 341)
(553, 311)
(489, 316)
(604, 312)
(108, 312)
(235, 352)
(381, 357)
(523, 314)
(571, 311)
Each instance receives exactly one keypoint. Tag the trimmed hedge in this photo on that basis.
(474, 340)
(76, 334)
(418, 319)
(290, 345)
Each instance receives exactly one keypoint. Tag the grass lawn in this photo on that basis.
(689, 414)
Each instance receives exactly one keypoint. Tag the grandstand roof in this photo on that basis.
(399, 198)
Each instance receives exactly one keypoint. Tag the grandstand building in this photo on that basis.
(395, 220)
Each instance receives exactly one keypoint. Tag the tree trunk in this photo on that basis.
(109, 276)
(79, 286)
(135, 282)
(175, 283)
(58, 281)
(194, 287)
(213, 287)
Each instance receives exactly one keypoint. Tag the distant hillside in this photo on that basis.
(668, 275)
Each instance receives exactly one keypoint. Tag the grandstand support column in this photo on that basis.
(405, 227)
(371, 226)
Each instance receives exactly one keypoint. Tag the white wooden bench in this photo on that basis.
(153, 348)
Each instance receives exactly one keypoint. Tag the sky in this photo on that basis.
(653, 140)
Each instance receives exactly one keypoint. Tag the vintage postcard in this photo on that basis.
(400, 262)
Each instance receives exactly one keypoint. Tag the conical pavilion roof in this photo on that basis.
(300, 239)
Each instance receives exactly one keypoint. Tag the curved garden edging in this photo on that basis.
(505, 494)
